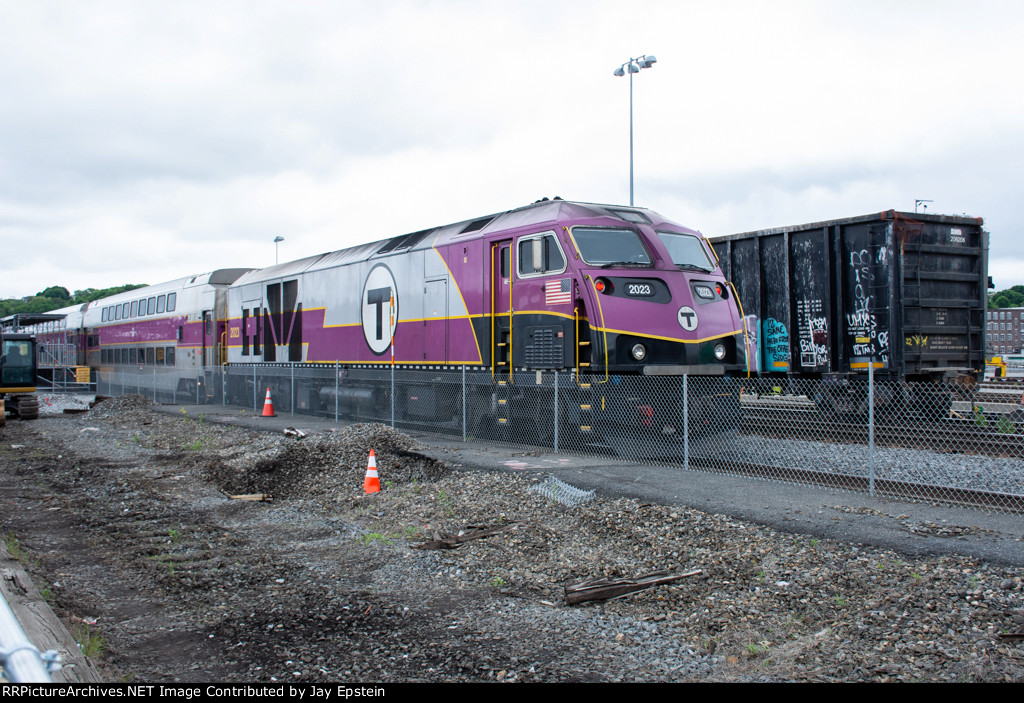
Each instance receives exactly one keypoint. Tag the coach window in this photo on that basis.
(159, 356)
(171, 301)
(160, 304)
(151, 309)
(142, 356)
(170, 356)
(150, 356)
(135, 308)
(133, 356)
(124, 311)
(539, 255)
(142, 307)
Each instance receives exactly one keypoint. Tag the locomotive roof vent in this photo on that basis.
(631, 216)
(476, 225)
(404, 241)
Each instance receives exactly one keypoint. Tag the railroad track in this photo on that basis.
(902, 490)
(945, 436)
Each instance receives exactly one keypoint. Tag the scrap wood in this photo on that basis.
(296, 433)
(606, 588)
(258, 497)
(469, 532)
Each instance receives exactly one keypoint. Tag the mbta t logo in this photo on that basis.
(379, 308)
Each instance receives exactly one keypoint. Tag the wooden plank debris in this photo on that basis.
(39, 623)
(469, 532)
(258, 497)
(607, 588)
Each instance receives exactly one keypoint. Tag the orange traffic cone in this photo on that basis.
(268, 406)
(372, 483)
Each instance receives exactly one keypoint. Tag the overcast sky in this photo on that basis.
(142, 141)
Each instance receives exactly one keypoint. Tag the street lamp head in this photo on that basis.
(619, 72)
(648, 61)
(633, 68)
(278, 239)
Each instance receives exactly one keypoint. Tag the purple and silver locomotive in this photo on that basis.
(598, 291)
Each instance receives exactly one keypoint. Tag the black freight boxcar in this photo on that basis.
(903, 292)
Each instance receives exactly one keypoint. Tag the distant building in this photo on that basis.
(1002, 330)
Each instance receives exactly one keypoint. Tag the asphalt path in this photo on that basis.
(906, 527)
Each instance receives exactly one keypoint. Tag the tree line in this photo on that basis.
(1009, 298)
(56, 297)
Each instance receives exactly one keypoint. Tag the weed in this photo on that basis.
(497, 581)
(195, 446)
(755, 649)
(14, 547)
(916, 576)
(374, 537)
(173, 534)
(446, 504)
(135, 438)
(840, 602)
(91, 643)
(411, 531)
(760, 576)
(47, 594)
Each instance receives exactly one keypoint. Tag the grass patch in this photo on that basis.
(91, 642)
(14, 547)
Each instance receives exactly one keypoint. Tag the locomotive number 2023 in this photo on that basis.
(639, 289)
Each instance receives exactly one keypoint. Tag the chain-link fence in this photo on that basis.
(931, 441)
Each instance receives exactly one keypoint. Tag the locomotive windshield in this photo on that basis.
(687, 251)
(611, 247)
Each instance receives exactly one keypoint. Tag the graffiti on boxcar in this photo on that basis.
(750, 327)
(813, 332)
(862, 324)
(776, 345)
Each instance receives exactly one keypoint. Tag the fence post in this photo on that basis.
(293, 389)
(255, 392)
(871, 428)
(392, 395)
(463, 402)
(556, 413)
(337, 372)
(686, 424)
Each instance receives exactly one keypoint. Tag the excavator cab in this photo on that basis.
(18, 377)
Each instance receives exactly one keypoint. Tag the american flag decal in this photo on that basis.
(558, 292)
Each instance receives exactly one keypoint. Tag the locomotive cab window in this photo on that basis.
(687, 251)
(540, 255)
(611, 247)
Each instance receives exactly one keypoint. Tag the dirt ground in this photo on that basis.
(124, 519)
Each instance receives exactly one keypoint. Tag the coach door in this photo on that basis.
(501, 308)
(208, 338)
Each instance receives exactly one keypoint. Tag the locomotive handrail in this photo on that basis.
(604, 331)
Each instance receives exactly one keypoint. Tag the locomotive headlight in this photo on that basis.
(720, 351)
(639, 352)
(603, 285)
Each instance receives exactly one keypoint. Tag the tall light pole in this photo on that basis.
(633, 66)
(277, 240)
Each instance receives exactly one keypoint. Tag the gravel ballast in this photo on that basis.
(126, 518)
